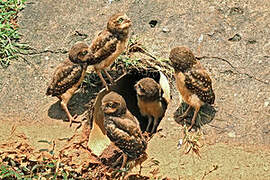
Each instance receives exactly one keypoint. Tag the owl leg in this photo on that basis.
(124, 161)
(186, 112)
(154, 125)
(194, 117)
(102, 79)
(149, 123)
(109, 76)
(64, 102)
(124, 157)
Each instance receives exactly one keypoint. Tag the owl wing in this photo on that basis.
(103, 46)
(119, 132)
(65, 76)
(128, 125)
(199, 83)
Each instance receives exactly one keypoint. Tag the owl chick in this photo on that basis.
(69, 75)
(150, 101)
(109, 44)
(192, 80)
(122, 127)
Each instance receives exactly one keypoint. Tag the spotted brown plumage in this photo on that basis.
(199, 83)
(69, 75)
(122, 127)
(109, 44)
(192, 80)
(150, 101)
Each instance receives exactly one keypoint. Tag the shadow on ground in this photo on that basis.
(77, 106)
(205, 116)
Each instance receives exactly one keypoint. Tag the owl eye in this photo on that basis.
(120, 20)
(84, 53)
(141, 88)
(110, 105)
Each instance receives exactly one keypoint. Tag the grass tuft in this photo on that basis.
(9, 36)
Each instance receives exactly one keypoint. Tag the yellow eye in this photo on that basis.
(110, 104)
(120, 20)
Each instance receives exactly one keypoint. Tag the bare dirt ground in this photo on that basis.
(232, 37)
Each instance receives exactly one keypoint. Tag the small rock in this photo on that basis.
(251, 41)
(46, 58)
(165, 30)
(180, 142)
(232, 134)
(266, 103)
(236, 11)
(200, 38)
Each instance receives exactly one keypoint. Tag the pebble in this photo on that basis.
(46, 58)
(180, 142)
(232, 134)
(200, 38)
(165, 30)
(266, 103)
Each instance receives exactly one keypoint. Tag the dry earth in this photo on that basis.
(231, 36)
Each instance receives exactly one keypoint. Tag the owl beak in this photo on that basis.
(128, 21)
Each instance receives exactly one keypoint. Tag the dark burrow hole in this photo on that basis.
(125, 87)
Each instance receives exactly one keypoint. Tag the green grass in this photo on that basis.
(9, 36)
(35, 170)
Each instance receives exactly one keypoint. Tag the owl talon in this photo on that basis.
(72, 120)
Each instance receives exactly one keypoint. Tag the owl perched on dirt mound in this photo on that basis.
(110, 43)
(122, 127)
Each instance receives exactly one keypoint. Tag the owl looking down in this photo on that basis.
(192, 80)
(122, 127)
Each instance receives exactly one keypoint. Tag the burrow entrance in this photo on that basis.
(125, 87)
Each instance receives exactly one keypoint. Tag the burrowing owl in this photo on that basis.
(192, 80)
(69, 75)
(122, 127)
